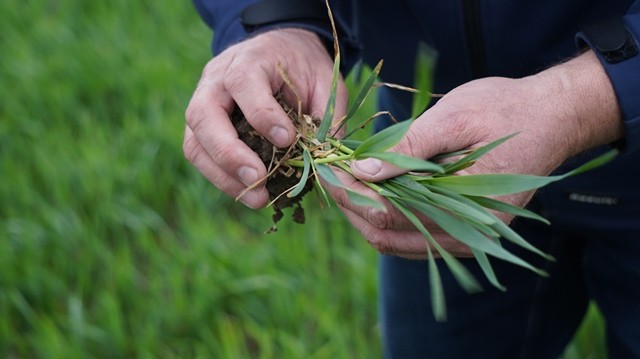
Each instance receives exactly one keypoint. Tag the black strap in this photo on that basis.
(611, 39)
(269, 12)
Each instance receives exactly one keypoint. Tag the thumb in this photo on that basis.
(425, 138)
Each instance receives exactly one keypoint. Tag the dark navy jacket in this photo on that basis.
(479, 38)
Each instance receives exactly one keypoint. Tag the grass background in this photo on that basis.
(113, 246)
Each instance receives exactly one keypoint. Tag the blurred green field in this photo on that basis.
(113, 246)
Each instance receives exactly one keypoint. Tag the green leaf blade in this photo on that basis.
(506, 232)
(384, 139)
(329, 111)
(403, 161)
(490, 184)
(462, 275)
(469, 235)
(506, 183)
(448, 200)
(364, 201)
(425, 62)
(364, 91)
(351, 144)
(594, 163)
(474, 155)
(498, 227)
(487, 269)
(507, 208)
(327, 174)
(438, 304)
(305, 175)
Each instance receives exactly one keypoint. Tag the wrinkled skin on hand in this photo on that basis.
(247, 74)
(557, 113)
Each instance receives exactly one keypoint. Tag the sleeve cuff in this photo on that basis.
(308, 15)
(615, 42)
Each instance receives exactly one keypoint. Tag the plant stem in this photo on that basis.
(332, 159)
(340, 146)
(343, 153)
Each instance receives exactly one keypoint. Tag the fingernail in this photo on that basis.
(279, 136)
(250, 199)
(370, 166)
(247, 175)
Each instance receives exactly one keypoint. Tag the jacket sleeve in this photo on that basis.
(620, 57)
(224, 18)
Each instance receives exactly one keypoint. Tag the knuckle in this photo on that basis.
(339, 196)
(383, 244)
(214, 65)
(221, 153)
(458, 122)
(233, 79)
(259, 116)
(190, 113)
(209, 69)
(224, 154)
(191, 149)
(411, 144)
(379, 219)
(193, 116)
(236, 75)
(217, 65)
(461, 124)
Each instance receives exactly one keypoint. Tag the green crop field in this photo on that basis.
(113, 246)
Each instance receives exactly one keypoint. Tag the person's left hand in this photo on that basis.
(557, 114)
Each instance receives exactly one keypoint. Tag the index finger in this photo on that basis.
(253, 88)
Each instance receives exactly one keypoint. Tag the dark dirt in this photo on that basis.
(285, 176)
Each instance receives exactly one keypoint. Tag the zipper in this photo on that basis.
(475, 42)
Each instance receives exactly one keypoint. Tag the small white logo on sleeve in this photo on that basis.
(594, 199)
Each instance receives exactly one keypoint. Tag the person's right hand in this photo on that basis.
(247, 74)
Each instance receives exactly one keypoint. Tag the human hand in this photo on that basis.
(247, 74)
(556, 114)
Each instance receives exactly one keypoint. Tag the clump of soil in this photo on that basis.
(281, 176)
